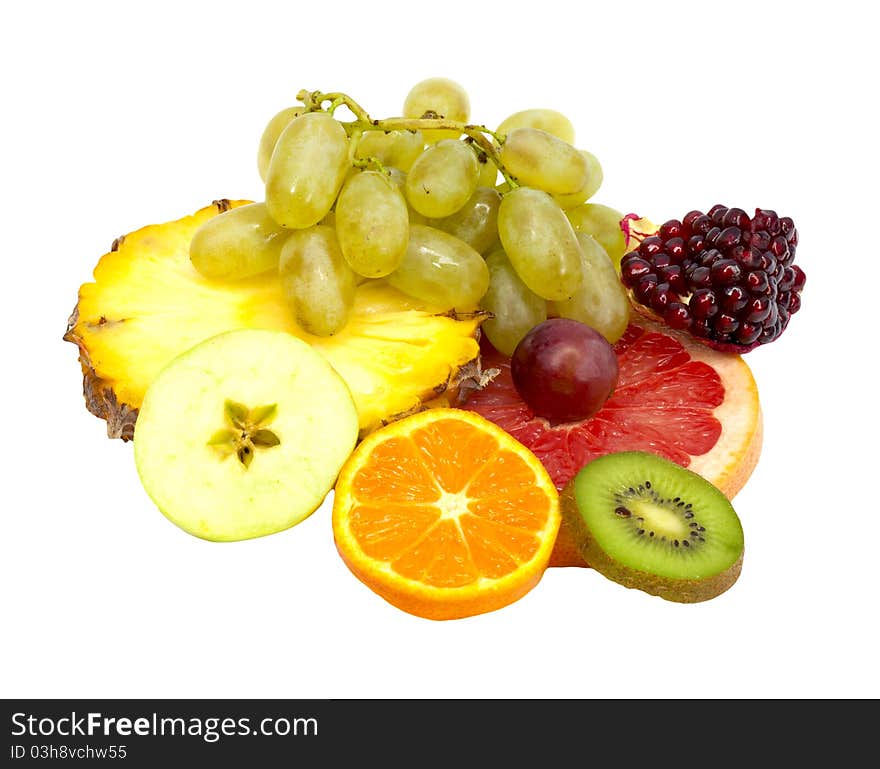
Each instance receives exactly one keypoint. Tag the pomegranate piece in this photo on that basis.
(727, 278)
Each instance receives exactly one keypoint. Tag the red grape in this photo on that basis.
(564, 370)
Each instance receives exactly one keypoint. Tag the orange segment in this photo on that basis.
(396, 473)
(500, 475)
(522, 509)
(445, 447)
(441, 559)
(445, 515)
(496, 547)
(386, 531)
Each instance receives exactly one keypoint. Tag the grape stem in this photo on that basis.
(370, 164)
(487, 141)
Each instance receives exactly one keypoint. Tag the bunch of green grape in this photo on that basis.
(452, 214)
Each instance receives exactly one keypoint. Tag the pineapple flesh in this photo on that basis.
(147, 305)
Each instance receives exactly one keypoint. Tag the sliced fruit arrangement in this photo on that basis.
(438, 321)
(674, 397)
(147, 305)
(445, 515)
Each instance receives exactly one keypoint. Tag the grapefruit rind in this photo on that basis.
(415, 597)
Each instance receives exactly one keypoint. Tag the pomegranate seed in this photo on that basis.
(729, 237)
(700, 276)
(662, 296)
(757, 282)
(768, 262)
(726, 324)
(750, 259)
(779, 247)
(645, 288)
(725, 271)
(760, 240)
(696, 244)
(735, 217)
(677, 315)
(701, 225)
(757, 310)
(703, 303)
(633, 267)
(717, 212)
(702, 328)
(708, 258)
(786, 280)
(671, 229)
(689, 218)
(783, 317)
(675, 248)
(748, 332)
(674, 276)
(651, 246)
(663, 259)
(733, 299)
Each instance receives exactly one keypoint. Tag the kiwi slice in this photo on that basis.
(650, 524)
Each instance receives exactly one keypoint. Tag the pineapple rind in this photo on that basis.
(147, 305)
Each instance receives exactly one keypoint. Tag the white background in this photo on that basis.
(118, 115)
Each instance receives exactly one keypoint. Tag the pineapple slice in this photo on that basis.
(147, 305)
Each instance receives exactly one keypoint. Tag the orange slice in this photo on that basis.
(445, 515)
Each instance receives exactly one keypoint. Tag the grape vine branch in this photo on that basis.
(486, 141)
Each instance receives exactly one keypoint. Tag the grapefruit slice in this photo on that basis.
(675, 397)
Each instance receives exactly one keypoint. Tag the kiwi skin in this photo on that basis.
(677, 590)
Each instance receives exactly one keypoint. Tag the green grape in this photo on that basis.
(603, 223)
(307, 169)
(238, 243)
(399, 179)
(488, 172)
(316, 281)
(270, 136)
(601, 301)
(476, 222)
(441, 270)
(394, 148)
(548, 120)
(445, 98)
(442, 179)
(372, 224)
(539, 159)
(516, 309)
(594, 181)
(540, 243)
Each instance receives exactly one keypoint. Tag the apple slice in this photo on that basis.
(244, 434)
